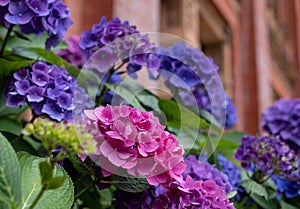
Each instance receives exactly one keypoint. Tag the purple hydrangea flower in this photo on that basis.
(290, 189)
(73, 54)
(188, 73)
(269, 155)
(193, 194)
(204, 171)
(282, 119)
(119, 40)
(48, 89)
(37, 16)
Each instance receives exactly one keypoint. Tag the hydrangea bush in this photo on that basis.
(76, 132)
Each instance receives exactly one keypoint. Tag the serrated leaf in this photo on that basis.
(130, 184)
(9, 175)
(31, 185)
(253, 187)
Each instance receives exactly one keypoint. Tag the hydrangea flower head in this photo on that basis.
(204, 171)
(192, 194)
(114, 40)
(269, 155)
(282, 119)
(188, 73)
(36, 16)
(47, 89)
(70, 139)
(135, 141)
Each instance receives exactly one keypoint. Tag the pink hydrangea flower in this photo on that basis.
(135, 141)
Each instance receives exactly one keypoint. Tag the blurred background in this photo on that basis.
(256, 43)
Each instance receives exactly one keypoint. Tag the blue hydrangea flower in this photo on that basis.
(234, 176)
(48, 89)
(37, 16)
(290, 189)
(188, 73)
(282, 119)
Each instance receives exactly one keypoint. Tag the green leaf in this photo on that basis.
(46, 171)
(262, 202)
(286, 205)
(143, 95)
(106, 196)
(130, 184)
(231, 194)
(10, 183)
(31, 185)
(11, 126)
(48, 56)
(125, 94)
(253, 187)
(234, 136)
(181, 117)
(56, 182)
(5, 111)
(9, 67)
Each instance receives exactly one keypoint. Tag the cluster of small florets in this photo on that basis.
(193, 194)
(269, 155)
(116, 40)
(136, 142)
(68, 138)
(47, 89)
(35, 16)
(204, 171)
(189, 73)
(282, 119)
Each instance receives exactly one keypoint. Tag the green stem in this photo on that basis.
(84, 190)
(104, 90)
(242, 203)
(38, 197)
(9, 30)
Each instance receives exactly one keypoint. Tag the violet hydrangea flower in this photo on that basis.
(135, 141)
(269, 155)
(187, 73)
(193, 194)
(37, 16)
(47, 88)
(204, 171)
(282, 119)
(119, 40)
